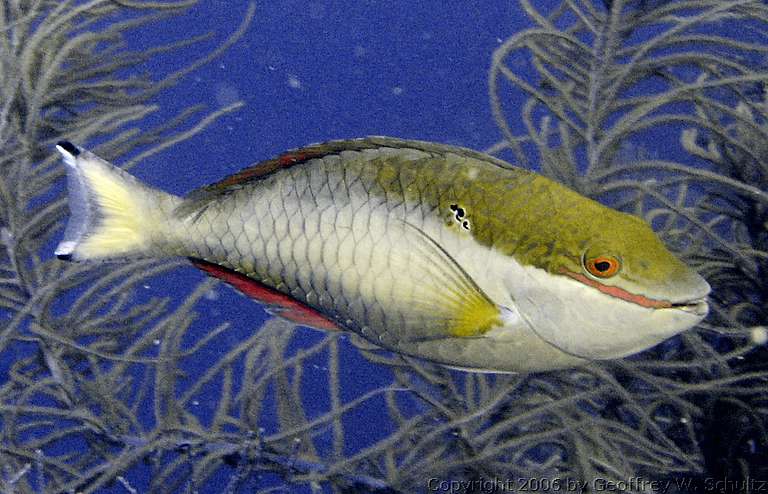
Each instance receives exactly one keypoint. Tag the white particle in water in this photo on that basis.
(294, 82)
(759, 335)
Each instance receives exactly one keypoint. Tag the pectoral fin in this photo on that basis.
(447, 295)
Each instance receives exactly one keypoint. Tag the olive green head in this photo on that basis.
(565, 233)
(618, 252)
(595, 282)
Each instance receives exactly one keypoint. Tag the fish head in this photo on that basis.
(614, 289)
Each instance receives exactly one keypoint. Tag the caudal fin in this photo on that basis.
(113, 215)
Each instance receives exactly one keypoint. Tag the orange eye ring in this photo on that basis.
(602, 266)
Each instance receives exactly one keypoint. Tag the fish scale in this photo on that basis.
(426, 249)
(337, 269)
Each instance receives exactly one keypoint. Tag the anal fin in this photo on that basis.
(277, 303)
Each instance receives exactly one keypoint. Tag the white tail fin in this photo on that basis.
(113, 215)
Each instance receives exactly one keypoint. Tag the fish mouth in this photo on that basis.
(697, 307)
(696, 302)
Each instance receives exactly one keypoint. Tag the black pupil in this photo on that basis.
(603, 266)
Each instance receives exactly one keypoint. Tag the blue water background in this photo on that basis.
(313, 71)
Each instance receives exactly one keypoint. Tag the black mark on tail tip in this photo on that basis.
(64, 257)
(68, 147)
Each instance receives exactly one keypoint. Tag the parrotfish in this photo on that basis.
(427, 250)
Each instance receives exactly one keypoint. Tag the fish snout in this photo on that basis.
(695, 299)
(702, 289)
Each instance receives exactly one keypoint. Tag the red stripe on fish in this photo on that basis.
(279, 303)
(299, 156)
(617, 292)
(289, 159)
(270, 166)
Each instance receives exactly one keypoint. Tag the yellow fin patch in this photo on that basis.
(121, 225)
(475, 317)
(450, 296)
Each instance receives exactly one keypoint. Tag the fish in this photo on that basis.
(427, 250)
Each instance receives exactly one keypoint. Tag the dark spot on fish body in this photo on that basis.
(459, 215)
(458, 210)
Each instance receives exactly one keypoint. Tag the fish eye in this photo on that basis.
(602, 266)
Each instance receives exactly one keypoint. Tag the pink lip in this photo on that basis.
(617, 292)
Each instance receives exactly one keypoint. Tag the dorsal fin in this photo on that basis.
(291, 158)
(199, 198)
(277, 303)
